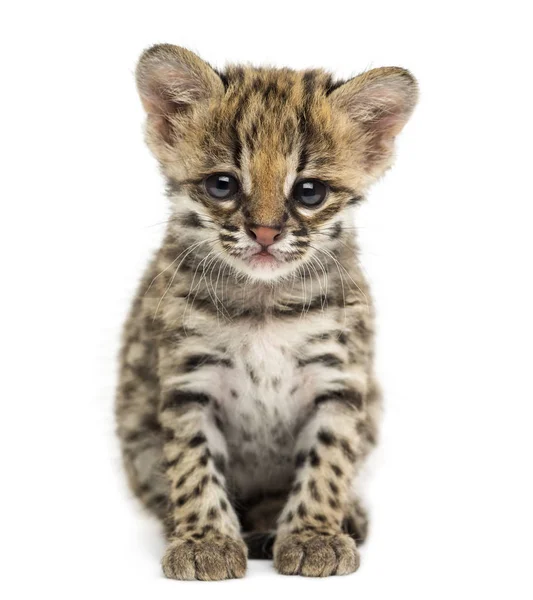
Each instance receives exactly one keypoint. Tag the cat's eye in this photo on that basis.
(221, 186)
(310, 192)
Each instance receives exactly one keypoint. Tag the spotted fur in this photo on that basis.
(247, 402)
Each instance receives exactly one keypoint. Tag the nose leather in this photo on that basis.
(266, 236)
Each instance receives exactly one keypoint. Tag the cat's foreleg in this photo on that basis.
(310, 539)
(203, 529)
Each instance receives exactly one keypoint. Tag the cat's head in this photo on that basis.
(264, 164)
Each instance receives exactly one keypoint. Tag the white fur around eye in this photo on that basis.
(246, 180)
(308, 212)
(292, 174)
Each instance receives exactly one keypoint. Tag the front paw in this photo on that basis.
(315, 555)
(211, 559)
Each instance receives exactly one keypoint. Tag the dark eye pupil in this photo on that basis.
(310, 193)
(221, 186)
(223, 183)
(308, 189)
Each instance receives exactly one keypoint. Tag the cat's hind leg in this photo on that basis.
(258, 517)
(355, 522)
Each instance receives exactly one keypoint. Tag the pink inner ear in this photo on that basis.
(391, 125)
(389, 106)
(166, 89)
(381, 100)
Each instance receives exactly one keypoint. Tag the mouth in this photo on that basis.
(263, 258)
(265, 264)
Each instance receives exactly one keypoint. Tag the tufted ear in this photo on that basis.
(171, 80)
(381, 101)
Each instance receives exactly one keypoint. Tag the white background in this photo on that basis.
(447, 246)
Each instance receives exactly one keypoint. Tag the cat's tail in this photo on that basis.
(260, 544)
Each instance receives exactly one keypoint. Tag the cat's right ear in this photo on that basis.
(172, 81)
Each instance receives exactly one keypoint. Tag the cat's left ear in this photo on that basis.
(381, 101)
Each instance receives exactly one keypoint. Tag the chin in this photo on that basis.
(264, 268)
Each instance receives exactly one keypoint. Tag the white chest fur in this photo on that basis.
(263, 399)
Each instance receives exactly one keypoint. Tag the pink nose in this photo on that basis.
(266, 236)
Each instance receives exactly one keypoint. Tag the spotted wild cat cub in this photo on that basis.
(247, 401)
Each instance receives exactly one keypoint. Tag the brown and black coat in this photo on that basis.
(247, 402)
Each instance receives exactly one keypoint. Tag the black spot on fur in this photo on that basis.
(158, 501)
(227, 238)
(313, 490)
(169, 464)
(296, 487)
(329, 360)
(182, 499)
(358, 530)
(173, 186)
(348, 450)
(300, 459)
(220, 462)
(296, 530)
(150, 423)
(301, 232)
(184, 478)
(252, 374)
(334, 503)
(168, 434)
(337, 470)
(333, 487)
(363, 429)
(316, 304)
(347, 396)
(196, 361)
(314, 459)
(318, 337)
(197, 440)
(341, 189)
(326, 437)
(212, 513)
(302, 510)
(200, 487)
(204, 459)
(176, 399)
(336, 231)
(143, 372)
(192, 220)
